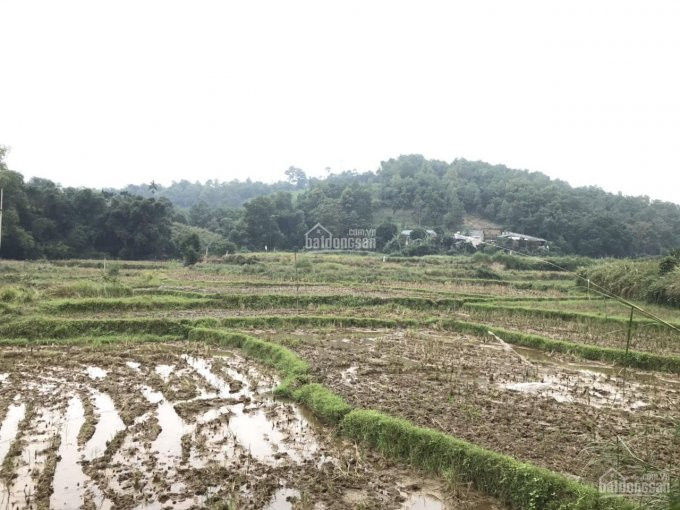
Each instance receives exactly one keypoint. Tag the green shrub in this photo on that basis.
(17, 295)
(240, 260)
(667, 265)
(487, 273)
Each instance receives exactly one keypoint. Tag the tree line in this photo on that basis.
(149, 221)
(42, 219)
(411, 192)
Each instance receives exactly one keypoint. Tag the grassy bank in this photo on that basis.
(46, 329)
(639, 280)
(520, 485)
(565, 315)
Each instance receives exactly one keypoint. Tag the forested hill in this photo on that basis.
(411, 191)
(213, 193)
(42, 219)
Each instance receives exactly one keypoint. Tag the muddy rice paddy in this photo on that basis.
(180, 425)
(567, 415)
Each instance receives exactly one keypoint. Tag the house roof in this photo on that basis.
(522, 237)
(407, 232)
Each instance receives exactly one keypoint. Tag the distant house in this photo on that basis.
(472, 237)
(522, 241)
(406, 235)
(498, 237)
(491, 234)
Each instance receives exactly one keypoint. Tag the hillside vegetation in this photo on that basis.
(411, 191)
(42, 219)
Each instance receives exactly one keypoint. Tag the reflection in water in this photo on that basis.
(108, 425)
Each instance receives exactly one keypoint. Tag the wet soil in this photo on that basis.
(180, 425)
(556, 412)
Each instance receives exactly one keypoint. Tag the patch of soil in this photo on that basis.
(473, 390)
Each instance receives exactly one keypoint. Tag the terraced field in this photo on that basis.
(337, 382)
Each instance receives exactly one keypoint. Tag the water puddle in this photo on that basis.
(108, 425)
(269, 433)
(257, 434)
(272, 434)
(10, 426)
(38, 437)
(134, 365)
(165, 371)
(599, 368)
(349, 375)
(70, 481)
(548, 387)
(236, 387)
(168, 444)
(283, 499)
(584, 387)
(346, 342)
(421, 501)
(592, 384)
(95, 372)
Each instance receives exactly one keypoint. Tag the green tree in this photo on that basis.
(260, 225)
(384, 233)
(190, 248)
(297, 177)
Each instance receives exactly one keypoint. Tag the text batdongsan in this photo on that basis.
(357, 239)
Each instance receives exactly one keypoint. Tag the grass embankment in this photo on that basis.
(39, 328)
(566, 315)
(633, 359)
(517, 484)
(241, 301)
(639, 279)
(46, 330)
(184, 300)
(137, 303)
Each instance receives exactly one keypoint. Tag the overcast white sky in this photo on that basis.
(96, 93)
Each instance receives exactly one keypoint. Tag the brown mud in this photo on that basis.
(565, 415)
(181, 426)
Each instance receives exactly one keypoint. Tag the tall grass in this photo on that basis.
(640, 279)
(179, 300)
(89, 289)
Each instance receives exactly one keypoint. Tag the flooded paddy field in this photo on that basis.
(561, 413)
(181, 425)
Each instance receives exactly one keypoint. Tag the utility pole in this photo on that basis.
(2, 190)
